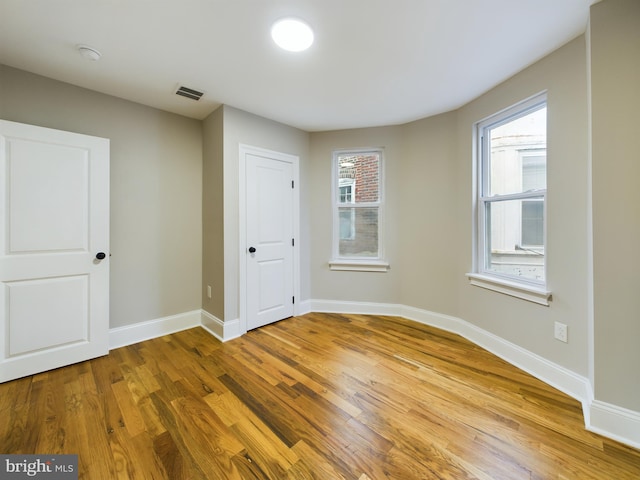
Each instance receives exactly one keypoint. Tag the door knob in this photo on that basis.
(100, 255)
(252, 250)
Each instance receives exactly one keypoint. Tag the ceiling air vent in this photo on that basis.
(189, 93)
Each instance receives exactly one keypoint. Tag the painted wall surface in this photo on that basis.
(563, 75)
(156, 189)
(615, 103)
(430, 243)
(379, 287)
(244, 128)
(213, 214)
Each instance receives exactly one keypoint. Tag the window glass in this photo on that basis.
(509, 161)
(360, 229)
(357, 206)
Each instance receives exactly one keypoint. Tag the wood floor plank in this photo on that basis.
(264, 448)
(317, 397)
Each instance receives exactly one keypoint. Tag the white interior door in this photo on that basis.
(269, 238)
(54, 248)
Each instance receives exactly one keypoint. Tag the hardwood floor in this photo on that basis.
(321, 396)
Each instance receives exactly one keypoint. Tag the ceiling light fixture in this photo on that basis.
(89, 53)
(292, 34)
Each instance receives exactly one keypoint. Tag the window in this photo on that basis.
(511, 200)
(357, 207)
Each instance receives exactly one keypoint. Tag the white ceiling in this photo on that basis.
(374, 62)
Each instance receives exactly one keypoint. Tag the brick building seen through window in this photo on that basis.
(358, 204)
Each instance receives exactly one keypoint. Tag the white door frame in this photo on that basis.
(294, 160)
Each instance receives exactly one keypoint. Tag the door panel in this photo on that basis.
(272, 285)
(32, 306)
(54, 218)
(269, 220)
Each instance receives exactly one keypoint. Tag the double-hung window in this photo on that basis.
(357, 210)
(511, 201)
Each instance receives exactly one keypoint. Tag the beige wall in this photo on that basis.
(213, 214)
(429, 223)
(615, 102)
(244, 128)
(156, 189)
(345, 285)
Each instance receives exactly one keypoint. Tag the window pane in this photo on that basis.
(532, 222)
(506, 250)
(534, 172)
(347, 223)
(360, 229)
(363, 171)
(517, 154)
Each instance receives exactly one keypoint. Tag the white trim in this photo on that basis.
(615, 422)
(364, 308)
(223, 331)
(304, 307)
(515, 289)
(139, 332)
(359, 266)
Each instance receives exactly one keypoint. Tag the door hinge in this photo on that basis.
(292, 184)
(293, 242)
(293, 299)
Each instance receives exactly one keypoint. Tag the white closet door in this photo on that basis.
(54, 248)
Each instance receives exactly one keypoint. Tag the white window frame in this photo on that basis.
(528, 289)
(368, 264)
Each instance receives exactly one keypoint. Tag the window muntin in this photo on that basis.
(357, 205)
(512, 193)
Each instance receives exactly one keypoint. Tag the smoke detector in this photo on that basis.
(89, 53)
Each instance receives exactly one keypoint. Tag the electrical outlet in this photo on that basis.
(208, 291)
(560, 332)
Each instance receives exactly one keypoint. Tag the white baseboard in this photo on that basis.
(304, 307)
(611, 421)
(223, 331)
(614, 422)
(138, 332)
(364, 308)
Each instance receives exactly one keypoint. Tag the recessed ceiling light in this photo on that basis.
(89, 53)
(292, 34)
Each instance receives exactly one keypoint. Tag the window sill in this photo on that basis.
(359, 265)
(519, 290)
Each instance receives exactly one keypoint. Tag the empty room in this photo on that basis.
(278, 239)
